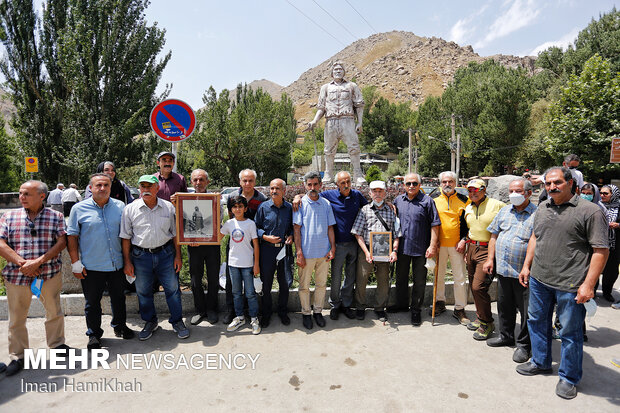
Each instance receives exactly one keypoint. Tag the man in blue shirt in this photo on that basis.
(420, 223)
(510, 231)
(346, 203)
(274, 224)
(93, 234)
(315, 246)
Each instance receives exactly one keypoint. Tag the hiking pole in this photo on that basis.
(435, 288)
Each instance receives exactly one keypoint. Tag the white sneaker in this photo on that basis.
(616, 305)
(235, 324)
(255, 326)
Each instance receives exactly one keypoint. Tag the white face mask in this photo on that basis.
(516, 199)
(378, 204)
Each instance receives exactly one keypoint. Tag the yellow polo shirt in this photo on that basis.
(480, 217)
(450, 209)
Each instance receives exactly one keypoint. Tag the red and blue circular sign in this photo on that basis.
(173, 120)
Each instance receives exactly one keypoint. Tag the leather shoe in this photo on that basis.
(125, 332)
(285, 319)
(416, 318)
(360, 314)
(349, 313)
(212, 317)
(14, 366)
(320, 321)
(334, 313)
(500, 341)
(94, 343)
(2, 367)
(531, 369)
(265, 321)
(520, 355)
(307, 321)
(397, 309)
(228, 318)
(65, 352)
(565, 390)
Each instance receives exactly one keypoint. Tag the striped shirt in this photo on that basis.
(15, 229)
(514, 230)
(146, 227)
(367, 222)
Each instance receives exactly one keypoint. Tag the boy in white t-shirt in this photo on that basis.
(242, 261)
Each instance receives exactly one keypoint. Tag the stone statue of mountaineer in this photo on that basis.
(341, 102)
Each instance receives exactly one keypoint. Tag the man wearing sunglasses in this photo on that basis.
(420, 229)
(31, 240)
(478, 216)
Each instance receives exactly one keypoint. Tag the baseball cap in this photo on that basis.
(377, 184)
(165, 153)
(148, 178)
(476, 183)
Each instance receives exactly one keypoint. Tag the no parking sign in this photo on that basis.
(173, 120)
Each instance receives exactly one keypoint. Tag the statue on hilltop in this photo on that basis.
(341, 102)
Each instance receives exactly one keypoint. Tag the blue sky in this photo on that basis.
(222, 43)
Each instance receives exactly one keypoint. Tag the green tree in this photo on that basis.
(88, 83)
(587, 116)
(250, 131)
(388, 120)
(373, 174)
(9, 178)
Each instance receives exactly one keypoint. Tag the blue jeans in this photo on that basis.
(147, 267)
(346, 256)
(241, 279)
(571, 314)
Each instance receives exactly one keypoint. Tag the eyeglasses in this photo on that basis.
(605, 193)
(473, 190)
(33, 231)
(413, 184)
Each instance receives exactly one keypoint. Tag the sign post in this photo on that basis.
(173, 121)
(32, 164)
(615, 151)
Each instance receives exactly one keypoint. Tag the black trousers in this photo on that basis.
(199, 257)
(512, 296)
(93, 285)
(268, 268)
(66, 206)
(610, 272)
(403, 264)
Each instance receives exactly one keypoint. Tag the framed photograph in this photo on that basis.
(381, 246)
(198, 218)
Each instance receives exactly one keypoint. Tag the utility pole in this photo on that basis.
(410, 147)
(458, 158)
(452, 141)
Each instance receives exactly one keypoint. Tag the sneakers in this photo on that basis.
(256, 329)
(616, 305)
(440, 307)
(531, 369)
(460, 315)
(360, 314)
(235, 324)
(381, 316)
(14, 366)
(616, 362)
(320, 321)
(180, 329)
(474, 325)
(307, 321)
(148, 330)
(93, 343)
(484, 331)
(196, 319)
(416, 318)
(125, 332)
(334, 313)
(565, 390)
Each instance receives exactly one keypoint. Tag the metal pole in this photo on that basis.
(416, 159)
(452, 139)
(458, 157)
(174, 152)
(409, 168)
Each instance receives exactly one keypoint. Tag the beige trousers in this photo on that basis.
(320, 267)
(458, 273)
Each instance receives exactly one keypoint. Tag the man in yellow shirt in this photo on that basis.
(478, 216)
(451, 206)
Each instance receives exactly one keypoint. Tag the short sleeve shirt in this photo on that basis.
(513, 230)
(16, 232)
(339, 100)
(345, 211)
(314, 217)
(146, 227)
(417, 216)
(479, 217)
(565, 235)
(167, 187)
(367, 222)
(241, 254)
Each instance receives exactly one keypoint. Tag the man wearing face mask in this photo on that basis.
(510, 231)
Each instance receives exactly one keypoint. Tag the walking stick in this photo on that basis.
(435, 287)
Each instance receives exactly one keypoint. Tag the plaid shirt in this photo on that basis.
(15, 230)
(514, 229)
(367, 222)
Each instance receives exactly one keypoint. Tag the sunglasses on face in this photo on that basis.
(413, 184)
(473, 190)
(33, 231)
(605, 193)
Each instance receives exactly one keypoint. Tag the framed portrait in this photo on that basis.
(198, 218)
(381, 246)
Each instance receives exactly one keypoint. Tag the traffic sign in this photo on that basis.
(32, 164)
(615, 151)
(173, 120)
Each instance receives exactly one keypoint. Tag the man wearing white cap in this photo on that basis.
(375, 217)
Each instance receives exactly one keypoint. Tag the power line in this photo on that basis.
(336, 20)
(318, 25)
(360, 14)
